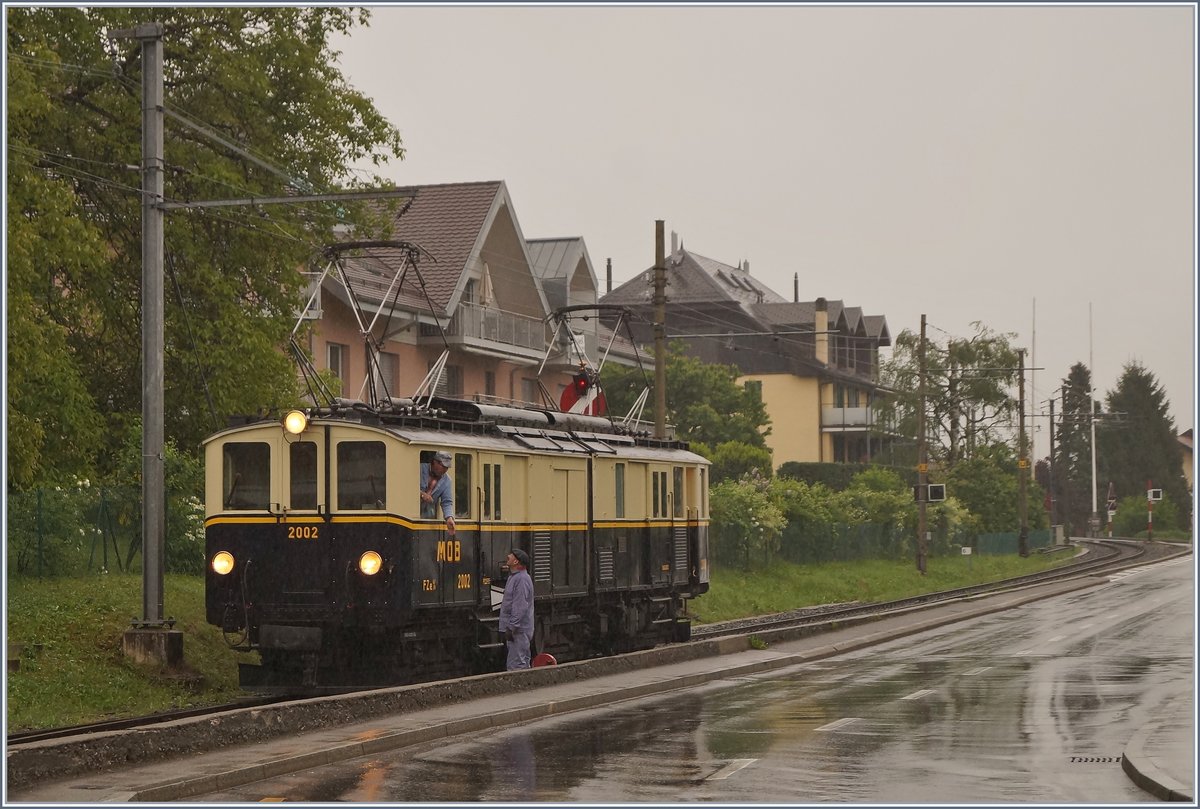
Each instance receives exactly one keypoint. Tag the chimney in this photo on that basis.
(674, 242)
(610, 275)
(796, 288)
(821, 324)
(747, 267)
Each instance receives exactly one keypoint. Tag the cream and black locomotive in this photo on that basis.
(320, 561)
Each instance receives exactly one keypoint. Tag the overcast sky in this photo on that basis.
(961, 162)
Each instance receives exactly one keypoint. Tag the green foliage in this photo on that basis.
(968, 390)
(1132, 516)
(184, 481)
(834, 475)
(265, 79)
(1073, 451)
(987, 485)
(732, 460)
(1138, 442)
(71, 668)
(704, 401)
(745, 523)
(881, 498)
(84, 525)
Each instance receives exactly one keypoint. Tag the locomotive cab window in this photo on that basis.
(246, 476)
(361, 475)
(303, 469)
(677, 491)
(460, 477)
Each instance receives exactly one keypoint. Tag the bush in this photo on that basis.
(745, 523)
(837, 476)
(1132, 513)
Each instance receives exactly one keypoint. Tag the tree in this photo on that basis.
(704, 401)
(1138, 442)
(987, 485)
(1073, 451)
(967, 382)
(265, 80)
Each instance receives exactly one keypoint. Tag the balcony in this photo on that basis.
(847, 419)
(484, 327)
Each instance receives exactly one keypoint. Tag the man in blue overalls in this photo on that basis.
(516, 610)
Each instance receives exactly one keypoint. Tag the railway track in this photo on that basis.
(1109, 555)
(46, 734)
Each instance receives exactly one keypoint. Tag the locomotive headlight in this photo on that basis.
(370, 563)
(295, 422)
(222, 563)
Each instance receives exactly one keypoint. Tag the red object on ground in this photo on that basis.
(544, 659)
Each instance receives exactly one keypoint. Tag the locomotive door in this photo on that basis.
(303, 530)
(446, 566)
(497, 496)
(567, 571)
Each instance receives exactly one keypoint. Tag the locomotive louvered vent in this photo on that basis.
(541, 556)
(606, 564)
(681, 550)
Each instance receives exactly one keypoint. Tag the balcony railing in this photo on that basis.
(474, 322)
(847, 418)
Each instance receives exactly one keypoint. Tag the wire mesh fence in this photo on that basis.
(73, 530)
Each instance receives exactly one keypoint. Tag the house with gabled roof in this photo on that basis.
(814, 363)
(477, 287)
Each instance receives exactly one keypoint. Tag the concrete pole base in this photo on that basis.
(154, 645)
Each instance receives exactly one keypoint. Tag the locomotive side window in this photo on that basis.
(619, 470)
(303, 468)
(462, 485)
(677, 491)
(658, 494)
(491, 491)
(361, 475)
(247, 476)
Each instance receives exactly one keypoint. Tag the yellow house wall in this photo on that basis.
(793, 404)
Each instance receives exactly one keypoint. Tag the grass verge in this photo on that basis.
(783, 586)
(72, 670)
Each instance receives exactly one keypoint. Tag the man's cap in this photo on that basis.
(522, 557)
(443, 458)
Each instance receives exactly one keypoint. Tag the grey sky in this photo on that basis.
(959, 162)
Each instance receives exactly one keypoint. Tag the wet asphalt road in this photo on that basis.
(1030, 705)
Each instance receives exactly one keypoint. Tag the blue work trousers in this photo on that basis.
(518, 651)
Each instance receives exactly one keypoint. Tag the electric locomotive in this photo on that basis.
(319, 558)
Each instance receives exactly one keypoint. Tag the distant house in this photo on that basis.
(814, 363)
(1185, 443)
(490, 290)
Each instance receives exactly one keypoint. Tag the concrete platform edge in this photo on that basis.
(1143, 772)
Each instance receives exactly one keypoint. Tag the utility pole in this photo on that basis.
(660, 332)
(1095, 520)
(1149, 510)
(1022, 461)
(152, 638)
(1053, 499)
(922, 456)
